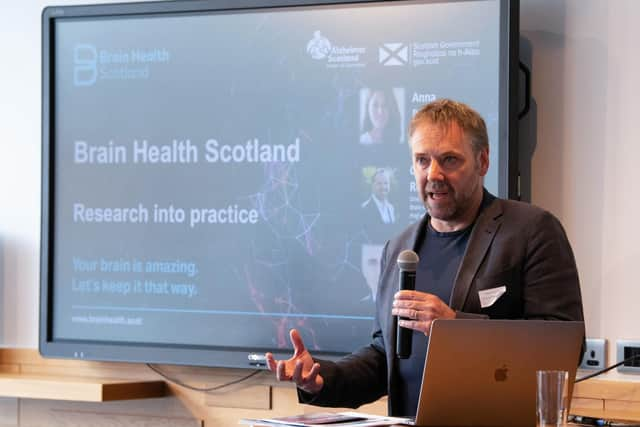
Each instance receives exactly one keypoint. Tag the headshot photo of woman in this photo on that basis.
(381, 116)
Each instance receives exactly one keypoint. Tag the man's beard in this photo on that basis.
(459, 202)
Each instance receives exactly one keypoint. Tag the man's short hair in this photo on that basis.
(444, 111)
(380, 171)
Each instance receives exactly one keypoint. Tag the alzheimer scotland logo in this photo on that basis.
(319, 46)
(335, 55)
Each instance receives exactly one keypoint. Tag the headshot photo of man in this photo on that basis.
(371, 255)
(378, 208)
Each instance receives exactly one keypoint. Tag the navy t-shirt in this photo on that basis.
(440, 257)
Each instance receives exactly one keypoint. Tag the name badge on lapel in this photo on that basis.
(488, 297)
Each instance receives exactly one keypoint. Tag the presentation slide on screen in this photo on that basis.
(220, 179)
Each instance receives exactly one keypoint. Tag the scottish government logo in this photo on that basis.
(393, 54)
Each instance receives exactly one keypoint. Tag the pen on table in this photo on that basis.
(589, 420)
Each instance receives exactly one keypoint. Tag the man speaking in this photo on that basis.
(479, 257)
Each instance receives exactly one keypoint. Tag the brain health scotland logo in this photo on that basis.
(85, 65)
(91, 64)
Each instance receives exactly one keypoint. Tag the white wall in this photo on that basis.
(19, 172)
(20, 168)
(585, 83)
(585, 71)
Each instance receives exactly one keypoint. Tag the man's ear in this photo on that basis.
(483, 161)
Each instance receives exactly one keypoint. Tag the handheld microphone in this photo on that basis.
(407, 264)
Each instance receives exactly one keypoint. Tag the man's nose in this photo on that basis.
(434, 173)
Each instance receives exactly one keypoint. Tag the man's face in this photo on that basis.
(381, 185)
(448, 174)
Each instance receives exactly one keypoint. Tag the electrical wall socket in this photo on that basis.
(625, 349)
(595, 356)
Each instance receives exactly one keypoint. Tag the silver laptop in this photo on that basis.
(483, 372)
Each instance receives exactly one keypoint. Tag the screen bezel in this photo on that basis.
(212, 355)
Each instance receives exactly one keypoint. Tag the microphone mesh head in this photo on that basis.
(408, 260)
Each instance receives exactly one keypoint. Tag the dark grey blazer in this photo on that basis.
(512, 244)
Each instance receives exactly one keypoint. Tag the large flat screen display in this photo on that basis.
(216, 173)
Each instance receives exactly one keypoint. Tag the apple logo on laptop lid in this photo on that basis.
(500, 374)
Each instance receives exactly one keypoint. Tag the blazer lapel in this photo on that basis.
(417, 237)
(481, 237)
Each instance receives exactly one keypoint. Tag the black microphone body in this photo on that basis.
(407, 264)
